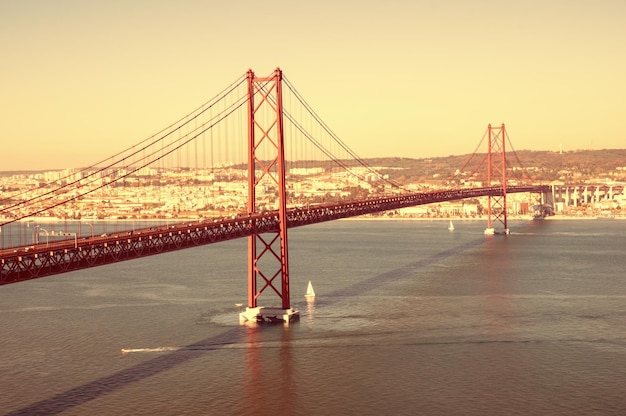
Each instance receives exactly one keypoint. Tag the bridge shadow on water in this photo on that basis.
(402, 272)
(121, 379)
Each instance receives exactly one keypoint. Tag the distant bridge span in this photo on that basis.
(45, 259)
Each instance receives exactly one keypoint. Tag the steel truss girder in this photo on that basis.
(18, 265)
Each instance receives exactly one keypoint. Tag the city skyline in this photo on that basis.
(82, 80)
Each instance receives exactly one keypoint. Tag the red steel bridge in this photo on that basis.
(271, 120)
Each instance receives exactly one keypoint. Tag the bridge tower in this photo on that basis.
(496, 176)
(268, 265)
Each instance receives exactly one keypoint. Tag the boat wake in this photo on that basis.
(157, 349)
(209, 347)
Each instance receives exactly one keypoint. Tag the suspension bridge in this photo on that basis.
(257, 131)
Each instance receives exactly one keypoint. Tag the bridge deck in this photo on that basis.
(45, 259)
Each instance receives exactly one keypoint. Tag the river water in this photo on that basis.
(409, 318)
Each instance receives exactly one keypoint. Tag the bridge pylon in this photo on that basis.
(268, 265)
(496, 176)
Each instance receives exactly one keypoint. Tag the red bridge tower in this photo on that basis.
(496, 176)
(268, 265)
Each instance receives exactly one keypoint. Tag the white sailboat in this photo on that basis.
(451, 226)
(310, 293)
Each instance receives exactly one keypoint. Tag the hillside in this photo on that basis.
(541, 165)
(544, 166)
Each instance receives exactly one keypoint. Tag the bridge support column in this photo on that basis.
(268, 266)
(496, 176)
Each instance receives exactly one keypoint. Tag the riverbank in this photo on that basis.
(482, 218)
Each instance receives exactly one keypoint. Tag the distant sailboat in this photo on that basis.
(310, 293)
(451, 226)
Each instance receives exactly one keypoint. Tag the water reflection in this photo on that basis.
(310, 309)
(254, 391)
(269, 379)
(499, 286)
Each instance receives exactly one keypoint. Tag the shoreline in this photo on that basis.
(515, 218)
(557, 217)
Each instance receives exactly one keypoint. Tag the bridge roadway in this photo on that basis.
(45, 259)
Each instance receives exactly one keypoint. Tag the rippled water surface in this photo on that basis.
(409, 319)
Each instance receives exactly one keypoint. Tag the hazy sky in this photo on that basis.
(81, 79)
